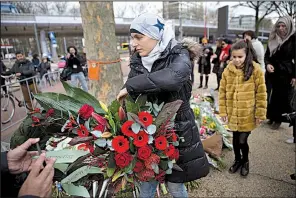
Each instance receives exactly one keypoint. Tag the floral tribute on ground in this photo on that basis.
(99, 147)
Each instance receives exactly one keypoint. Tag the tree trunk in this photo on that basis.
(101, 45)
(257, 22)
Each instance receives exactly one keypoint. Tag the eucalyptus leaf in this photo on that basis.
(150, 141)
(170, 164)
(66, 155)
(73, 190)
(155, 168)
(168, 171)
(136, 128)
(176, 143)
(101, 142)
(96, 133)
(151, 129)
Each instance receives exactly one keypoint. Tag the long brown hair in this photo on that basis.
(250, 56)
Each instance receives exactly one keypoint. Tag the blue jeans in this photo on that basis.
(79, 76)
(148, 189)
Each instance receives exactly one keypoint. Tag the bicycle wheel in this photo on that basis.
(7, 108)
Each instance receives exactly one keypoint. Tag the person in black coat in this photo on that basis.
(162, 69)
(204, 65)
(20, 160)
(216, 61)
(3, 69)
(280, 70)
(43, 69)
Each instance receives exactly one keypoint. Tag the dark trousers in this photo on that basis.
(240, 146)
(3, 83)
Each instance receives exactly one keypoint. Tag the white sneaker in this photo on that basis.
(290, 140)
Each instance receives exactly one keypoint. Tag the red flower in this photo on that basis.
(161, 143)
(146, 175)
(176, 155)
(146, 118)
(153, 159)
(50, 113)
(141, 139)
(174, 137)
(123, 159)
(101, 120)
(86, 147)
(120, 144)
(138, 167)
(100, 128)
(170, 151)
(85, 111)
(144, 152)
(35, 119)
(82, 131)
(126, 129)
(121, 113)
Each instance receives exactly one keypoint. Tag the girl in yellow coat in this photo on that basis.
(242, 100)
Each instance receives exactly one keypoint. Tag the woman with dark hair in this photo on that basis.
(204, 65)
(242, 100)
(280, 70)
(216, 61)
(224, 57)
(162, 68)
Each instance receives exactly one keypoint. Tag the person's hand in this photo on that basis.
(225, 119)
(68, 55)
(19, 159)
(293, 82)
(39, 182)
(270, 68)
(258, 121)
(122, 94)
(214, 56)
(18, 74)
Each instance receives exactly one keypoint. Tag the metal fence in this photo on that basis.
(19, 100)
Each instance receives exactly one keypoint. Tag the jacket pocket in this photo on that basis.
(184, 130)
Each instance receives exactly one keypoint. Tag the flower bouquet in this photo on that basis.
(100, 147)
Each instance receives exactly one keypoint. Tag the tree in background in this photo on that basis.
(24, 7)
(285, 8)
(262, 9)
(60, 7)
(101, 45)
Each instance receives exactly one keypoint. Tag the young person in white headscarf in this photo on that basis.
(280, 70)
(162, 68)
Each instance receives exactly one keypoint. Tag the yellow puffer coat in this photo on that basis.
(242, 101)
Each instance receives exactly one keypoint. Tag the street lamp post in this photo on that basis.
(180, 22)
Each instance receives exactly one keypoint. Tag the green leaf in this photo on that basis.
(111, 161)
(155, 168)
(129, 179)
(176, 143)
(141, 100)
(83, 97)
(110, 172)
(94, 170)
(73, 190)
(136, 128)
(113, 108)
(131, 107)
(112, 123)
(61, 167)
(168, 171)
(170, 164)
(151, 129)
(163, 165)
(132, 146)
(101, 142)
(116, 176)
(130, 166)
(66, 156)
(79, 173)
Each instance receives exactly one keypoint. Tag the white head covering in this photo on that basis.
(275, 41)
(154, 27)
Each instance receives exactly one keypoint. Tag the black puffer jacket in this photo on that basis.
(170, 80)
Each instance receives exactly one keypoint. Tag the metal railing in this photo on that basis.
(15, 104)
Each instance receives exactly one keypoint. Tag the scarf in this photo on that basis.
(275, 41)
(154, 27)
(225, 53)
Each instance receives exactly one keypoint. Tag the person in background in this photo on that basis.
(216, 61)
(280, 70)
(36, 61)
(257, 45)
(224, 57)
(204, 65)
(44, 69)
(242, 100)
(74, 62)
(20, 160)
(3, 69)
(24, 69)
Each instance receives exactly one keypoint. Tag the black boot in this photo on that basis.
(201, 79)
(236, 165)
(270, 122)
(245, 169)
(275, 125)
(207, 80)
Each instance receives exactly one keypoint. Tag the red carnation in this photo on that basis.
(176, 155)
(123, 159)
(50, 113)
(126, 129)
(138, 167)
(174, 137)
(170, 151)
(144, 152)
(35, 119)
(161, 143)
(85, 111)
(82, 131)
(141, 139)
(146, 175)
(153, 159)
(120, 144)
(146, 118)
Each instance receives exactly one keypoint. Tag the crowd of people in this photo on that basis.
(252, 86)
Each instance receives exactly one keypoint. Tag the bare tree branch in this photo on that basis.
(60, 7)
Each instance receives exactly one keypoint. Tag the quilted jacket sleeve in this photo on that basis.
(170, 78)
(261, 95)
(222, 95)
